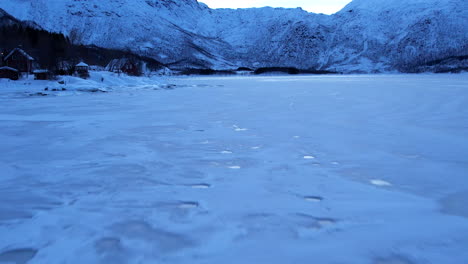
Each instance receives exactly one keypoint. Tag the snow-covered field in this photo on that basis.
(320, 169)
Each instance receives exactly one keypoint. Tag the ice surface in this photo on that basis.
(331, 169)
(17, 256)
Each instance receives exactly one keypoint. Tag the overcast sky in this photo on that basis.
(317, 6)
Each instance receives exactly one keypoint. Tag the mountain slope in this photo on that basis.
(404, 34)
(367, 35)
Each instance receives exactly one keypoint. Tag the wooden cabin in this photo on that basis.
(20, 60)
(82, 70)
(124, 65)
(9, 73)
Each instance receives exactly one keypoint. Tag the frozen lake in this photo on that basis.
(307, 169)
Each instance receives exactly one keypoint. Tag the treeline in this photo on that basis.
(258, 71)
(450, 64)
(453, 60)
(55, 52)
(291, 70)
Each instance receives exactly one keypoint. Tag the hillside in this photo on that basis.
(366, 36)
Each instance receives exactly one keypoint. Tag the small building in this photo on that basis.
(124, 65)
(9, 73)
(41, 75)
(20, 60)
(82, 70)
(83, 67)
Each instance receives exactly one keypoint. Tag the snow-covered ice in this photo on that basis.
(218, 170)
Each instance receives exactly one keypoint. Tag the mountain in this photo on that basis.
(7, 20)
(366, 36)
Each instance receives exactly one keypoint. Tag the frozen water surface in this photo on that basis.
(320, 169)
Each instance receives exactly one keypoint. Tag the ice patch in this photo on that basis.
(393, 260)
(412, 156)
(6, 214)
(324, 222)
(18, 256)
(162, 241)
(380, 182)
(455, 204)
(309, 157)
(110, 248)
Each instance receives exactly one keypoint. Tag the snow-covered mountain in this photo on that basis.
(367, 35)
(8, 20)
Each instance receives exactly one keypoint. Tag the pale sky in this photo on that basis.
(316, 6)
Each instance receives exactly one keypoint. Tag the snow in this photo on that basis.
(8, 68)
(99, 81)
(82, 64)
(157, 173)
(366, 36)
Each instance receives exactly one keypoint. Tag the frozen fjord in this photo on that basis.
(323, 169)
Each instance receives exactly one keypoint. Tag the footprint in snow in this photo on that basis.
(200, 186)
(313, 199)
(312, 222)
(238, 129)
(188, 205)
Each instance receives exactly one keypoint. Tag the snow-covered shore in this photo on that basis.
(99, 81)
(277, 169)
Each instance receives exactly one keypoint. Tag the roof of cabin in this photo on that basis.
(8, 68)
(82, 64)
(22, 53)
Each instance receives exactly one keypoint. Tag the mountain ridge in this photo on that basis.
(366, 36)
